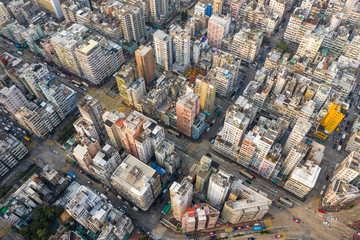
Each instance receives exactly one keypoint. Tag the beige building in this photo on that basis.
(205, 88)
(145, 63)
(297, 135)
(310, 45)
(4, 14)
(353, 143)
(91, 110)
(246, 44)
(137, 182)
(218, 189)
(294, 157)
(353, 49)
(85, 151)
(244, 205)
(113, 122)
(349, 169)
(340, 192)
(181, 197)
(303, 179)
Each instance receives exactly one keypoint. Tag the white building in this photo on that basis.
(33, 76)
(133, 22)
(349, 169)
(294, 157)
(297, 134)
(303, 179)
(135, 92)
(13, 99)
(218, 189)
(181, 197)
(181, 39)
(4, 14)
(163, 49)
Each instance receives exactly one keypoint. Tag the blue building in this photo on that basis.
(198, 126)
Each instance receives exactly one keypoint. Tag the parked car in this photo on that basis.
(208, 154)
(211, 233)
(327, 177)
(296, 220)
(278, 236)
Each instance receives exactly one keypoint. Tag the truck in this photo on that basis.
(344, 136)
(103, 196)
(72, 175)
(257, 228)
(229, 229)
(119, 197)
(339, 148)
(136, 209)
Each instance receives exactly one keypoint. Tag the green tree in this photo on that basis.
(283, 46)
(266, 40)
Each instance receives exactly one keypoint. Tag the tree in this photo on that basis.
(266, 40)
(283, 46)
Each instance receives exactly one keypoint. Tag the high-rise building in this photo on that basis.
(205, 88)
(65, 44)
(127, 74)
(297, 134)
(187, 108)
(332, 114)
(85, 151)
(278, 7)
(53, 6)
(181, 197)
(244, 204)
(113, 122)
(295, 156)
(61, 95)
(163, 49)
(159, 9)
(353, 49)
(340, 192)
(91, 110)
(321, 96)
(353, 144)
(96, 214)
(32, 77)
(310, 44)
(86, 128)
(199, 217)
(13, 99)
(218, 189)
(271, 160)
(135, 92)
(132, 22)
(303, 179)
(98, 62)
(145, 63)
(141, 135)
(349, 169)
(137, 182)
(218, 28)
(235, 6)
(4, 14)
(217, 6)
(181, 40)
(246, 44)
(167, 157)
(105, 162)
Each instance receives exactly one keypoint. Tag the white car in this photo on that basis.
(334, 218)
(327, 223)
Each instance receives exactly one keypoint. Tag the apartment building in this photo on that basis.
(167, 157)
(85, 151)
(349, 169)
(91, 110)
(278, 7)
(310, 45)
(340, 193)
(163, 49)
(205, 88)
(13, 99)
(181, 41)
(297, 134)
(145, 63)
(353, 48)
(218, 28)
(218, 189)
(98, 215)
(52, 6)
(353, 144)
(295, 156)
(65, 43)
(32, 77)
(99, 60)
(137, 182)
(187, 108)
(181, 197)
(303, 179)
(135, 92)
(226, 78)
(4, 14)
(244, 205)
(199, 217)
(113, 122)
(271, 160)
(105, 163)
(132, 22)
(86, 128)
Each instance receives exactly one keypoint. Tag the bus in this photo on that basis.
(286, 202)
(321, 211)
(245, 174)
(172, 132)
(26, 138)
(76, 82)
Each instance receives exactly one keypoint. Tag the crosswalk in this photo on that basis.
(5, 230)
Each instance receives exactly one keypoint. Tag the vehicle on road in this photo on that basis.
(248, 226)
(334, 218)
(337, 140)
(278, 236)
(344, 136)
(187, 236)
(239, 228)
(211, 233)
(90, 183)
(71, 174)
(208, 154)
(81, 171)
(296, 220)
(286, 202)
(247, 181)
(246, 174)
(339, 148)
(334, 147)
(327, 223)
(327, 177)
(321, 211)
(257, 228)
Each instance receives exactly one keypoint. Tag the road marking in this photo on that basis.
(64, 169)
(32, 144)
(192, 148)
(33, 158)
(5, 230)
(268, 224)
(49, 142)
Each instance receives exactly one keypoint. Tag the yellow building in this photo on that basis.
(124, 78)
(205, 88)
(335, 114)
